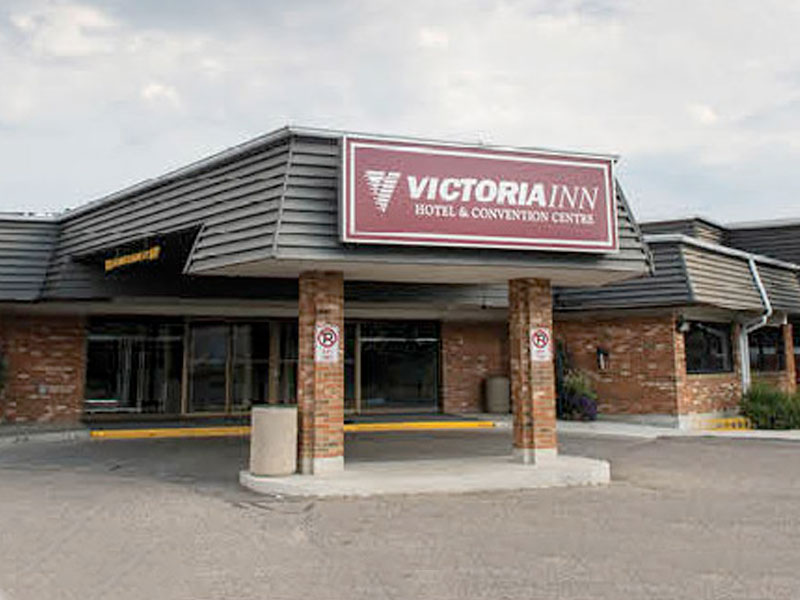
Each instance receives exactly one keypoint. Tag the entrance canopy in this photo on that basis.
(420, 211)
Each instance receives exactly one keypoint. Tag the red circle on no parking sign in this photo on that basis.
(540, 338)
(327, 337)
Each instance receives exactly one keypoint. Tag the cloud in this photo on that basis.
(66, 30)
(683, 95)
(158, 94)
(431, 37)
(703, 114)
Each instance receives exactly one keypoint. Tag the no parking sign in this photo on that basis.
(541, 344)
(327, 341)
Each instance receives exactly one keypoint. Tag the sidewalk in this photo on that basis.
(649, 432)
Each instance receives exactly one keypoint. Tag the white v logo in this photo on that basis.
(382, 185)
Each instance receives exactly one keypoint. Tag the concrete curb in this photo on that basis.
(22, 437)
(447, 476)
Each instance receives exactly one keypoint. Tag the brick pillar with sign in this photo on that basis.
(531, 349)
(320, 372)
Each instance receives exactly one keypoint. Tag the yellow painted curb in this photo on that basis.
(418, 425)
(726, 424)
(170, 432)
(244, 430)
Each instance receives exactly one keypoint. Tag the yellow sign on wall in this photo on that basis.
(148, 255)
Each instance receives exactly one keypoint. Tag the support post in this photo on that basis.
(320, 377)
(532, 369)
(788, 346)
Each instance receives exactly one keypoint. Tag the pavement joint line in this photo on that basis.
(244, 430)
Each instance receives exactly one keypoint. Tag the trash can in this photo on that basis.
(498, 395)
(273, 440)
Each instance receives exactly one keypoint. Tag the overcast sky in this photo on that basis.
(700, 98)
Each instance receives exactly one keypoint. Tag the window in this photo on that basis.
(708, 348)
(134, 366)
(767, 352)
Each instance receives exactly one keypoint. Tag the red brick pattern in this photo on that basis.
(46, 365)
(320, 386)
(643, 374)
(471, 352)
(532, 383)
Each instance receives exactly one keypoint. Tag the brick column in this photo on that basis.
(320, 380)
(533, 391)
(788, 347)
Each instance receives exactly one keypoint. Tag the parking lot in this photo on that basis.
(696, 518)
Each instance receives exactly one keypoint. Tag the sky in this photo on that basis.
(701, 99)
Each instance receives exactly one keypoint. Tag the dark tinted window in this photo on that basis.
(767, 352)
(708, 348)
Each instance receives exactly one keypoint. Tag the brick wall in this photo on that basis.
(642, 375)
(471, 352)
(46, 360)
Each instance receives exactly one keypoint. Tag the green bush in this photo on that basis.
(578, 400)
(770, 408)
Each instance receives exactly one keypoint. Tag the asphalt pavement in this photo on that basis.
(683, 518)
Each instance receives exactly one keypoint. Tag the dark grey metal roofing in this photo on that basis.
(274, 198)
(783, 288)
(697, 227)
(721, 280)
(668, 286)
(26, 244)
(778, 240)
(300, 223)
(688, 271)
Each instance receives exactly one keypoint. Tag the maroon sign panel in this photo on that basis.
(398, 192)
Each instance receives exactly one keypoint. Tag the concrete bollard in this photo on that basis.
(273, 440)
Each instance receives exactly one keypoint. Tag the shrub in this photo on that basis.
(770, 408)
(577, 399)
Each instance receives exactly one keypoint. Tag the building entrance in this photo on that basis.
(206, 367)
(399, 366)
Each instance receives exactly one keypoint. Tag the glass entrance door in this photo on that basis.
(208, 367)
(399, 366)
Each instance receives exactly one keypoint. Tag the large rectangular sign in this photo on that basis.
(399, 192)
